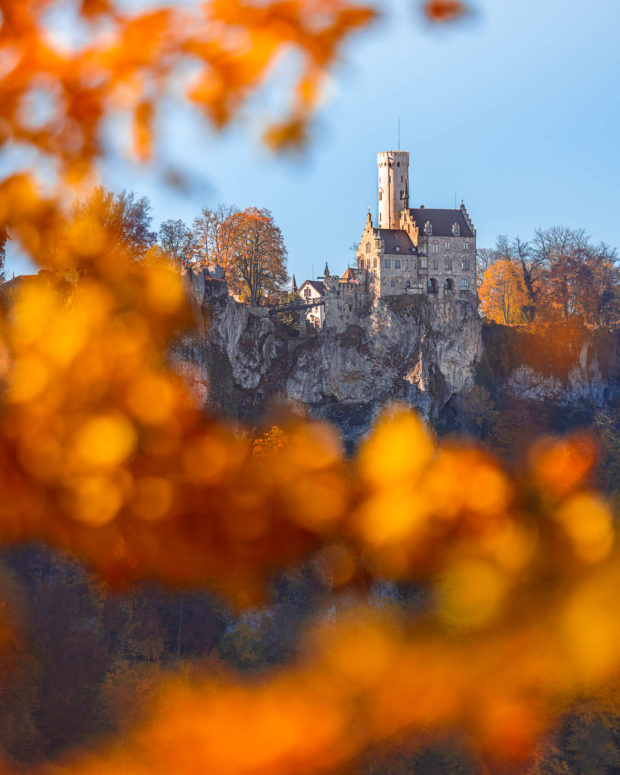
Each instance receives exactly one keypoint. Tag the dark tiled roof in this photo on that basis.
(318, 286)
(395, 238)
(441, 221)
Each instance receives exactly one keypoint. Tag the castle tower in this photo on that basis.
(393, 187)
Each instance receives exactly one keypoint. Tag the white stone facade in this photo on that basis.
(412, 250)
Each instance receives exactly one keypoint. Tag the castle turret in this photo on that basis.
(393, 187)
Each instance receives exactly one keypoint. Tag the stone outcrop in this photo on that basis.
(565, 366)
(421, 350)
(410, 348)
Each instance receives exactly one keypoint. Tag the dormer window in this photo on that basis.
(428, 228)
(397, 249)
(456, 229)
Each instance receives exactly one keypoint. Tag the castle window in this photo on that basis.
(456, 229)
(431, 285)
(307, 293)
(380, 194)
(386, 263)
(435, 264)
(397, 264)
(447, 245)
(406, 264)
(435, 246)
(423, 262)
(464, 284)
(465, 264)
(375, 263)
(448, 285)
(392, 283)
(466, 246)
(447, 264)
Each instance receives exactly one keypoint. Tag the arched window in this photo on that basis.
(448, 285)
(463, 284)
(431, 285)
(380, 194)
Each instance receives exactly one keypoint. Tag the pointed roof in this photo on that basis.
(294, 286)
(348, 276)
(315, 284)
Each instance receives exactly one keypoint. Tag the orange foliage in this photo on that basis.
(104, 452)
(502, 293)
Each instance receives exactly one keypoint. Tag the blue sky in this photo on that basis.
(517, 111)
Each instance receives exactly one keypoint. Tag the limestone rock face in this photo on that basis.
(409, 348)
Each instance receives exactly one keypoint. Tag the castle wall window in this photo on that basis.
(423, 262)
(435, 264)
(431, 285)
(396, 264)
(392, 283)
(465, 264)
(374, 263)
(447, 264)
(406, 264)
(380, 194)
(386, 263)
(464, 284)
(466, 246)
(368, 247)
(448, 285)
(447, 245)
(435, 246)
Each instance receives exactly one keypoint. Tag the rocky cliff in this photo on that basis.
(423, 351)
(410, 348)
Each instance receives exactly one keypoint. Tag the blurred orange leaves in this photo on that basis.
(104, 452)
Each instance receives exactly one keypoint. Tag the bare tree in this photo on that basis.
(176, 240)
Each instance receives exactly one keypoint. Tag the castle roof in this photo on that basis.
(318, 286)
(396, 241)
(441, 221)
(348, 276)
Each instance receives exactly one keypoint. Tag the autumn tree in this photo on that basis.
(502, 293)
(176, 240)
(562, 275)
(125, 218)
(255, 257)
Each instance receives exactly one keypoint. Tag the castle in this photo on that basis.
(411, 251)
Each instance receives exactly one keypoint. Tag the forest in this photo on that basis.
(182, 594)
